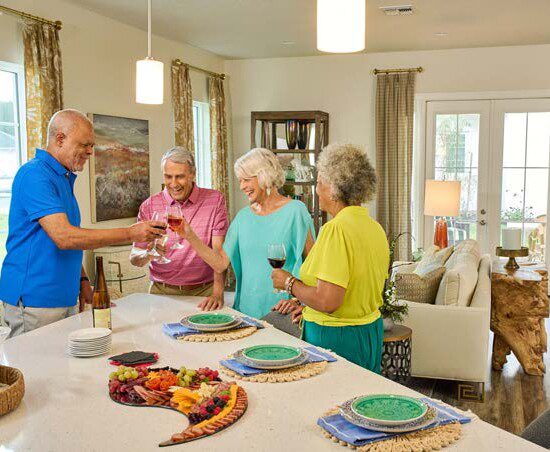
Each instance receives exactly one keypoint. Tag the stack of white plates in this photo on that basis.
(89, 342)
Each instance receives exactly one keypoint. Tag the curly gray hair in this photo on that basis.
(263, 164)
(347, 170)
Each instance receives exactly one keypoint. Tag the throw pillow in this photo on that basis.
(420, 289)
(460, 280)
(433, 260)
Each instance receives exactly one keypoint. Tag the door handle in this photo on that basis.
(482, 222)
(483, 212)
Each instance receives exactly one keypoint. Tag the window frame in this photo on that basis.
(201, 134)
(18, 70)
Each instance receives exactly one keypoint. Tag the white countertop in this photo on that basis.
(67, 407)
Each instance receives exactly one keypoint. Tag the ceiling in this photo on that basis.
(281, 28)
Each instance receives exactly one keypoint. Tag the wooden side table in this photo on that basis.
(519, 307)
(396, 353)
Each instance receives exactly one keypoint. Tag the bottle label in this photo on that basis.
(102, 318)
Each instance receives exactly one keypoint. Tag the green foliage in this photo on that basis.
(390, 308)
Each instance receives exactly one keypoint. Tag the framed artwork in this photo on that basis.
(119, 168)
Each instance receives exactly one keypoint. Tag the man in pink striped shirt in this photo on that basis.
(205, 210)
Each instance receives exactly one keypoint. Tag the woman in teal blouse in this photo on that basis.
(269, 219)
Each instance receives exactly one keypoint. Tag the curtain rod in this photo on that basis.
(57, 24)
(392, 71)
(178, 62)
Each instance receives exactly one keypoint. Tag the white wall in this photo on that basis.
(99, 56)
(344, 86)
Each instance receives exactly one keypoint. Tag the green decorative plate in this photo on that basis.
(388, 409)
(271, 353)
(211, 319)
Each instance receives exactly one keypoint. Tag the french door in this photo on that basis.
(457, 143)
(500, 151)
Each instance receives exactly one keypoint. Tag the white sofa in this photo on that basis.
(452, 342)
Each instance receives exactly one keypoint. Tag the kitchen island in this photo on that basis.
(67, 406)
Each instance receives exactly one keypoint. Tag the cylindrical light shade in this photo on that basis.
(340, 25)
(149, 81)
(442, 198)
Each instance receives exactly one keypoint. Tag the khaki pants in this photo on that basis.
(23, 319)
(202, 291)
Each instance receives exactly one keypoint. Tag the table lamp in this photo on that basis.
(441, 199)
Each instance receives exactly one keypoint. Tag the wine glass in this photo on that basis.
(175, 218)
(276, 256)
(162, 218)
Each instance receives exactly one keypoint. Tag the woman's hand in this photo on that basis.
(286, 306)
(296, 314)
(279, 276)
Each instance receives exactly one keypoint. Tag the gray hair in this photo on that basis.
(178, 154)
(346, 169)
(263, 164)
(64, 121)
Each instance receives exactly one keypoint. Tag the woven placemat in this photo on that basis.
(422, 440)
(220, 336)
(282, 375)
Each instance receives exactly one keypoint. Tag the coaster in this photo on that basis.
(281, 376)
(220, 336)
(421, 440)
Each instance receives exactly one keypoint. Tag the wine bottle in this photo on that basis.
(101, 304)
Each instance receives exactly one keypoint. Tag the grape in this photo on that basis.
(121, 378)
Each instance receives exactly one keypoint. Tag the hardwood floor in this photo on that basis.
(512, 398)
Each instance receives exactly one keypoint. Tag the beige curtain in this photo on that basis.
(182, 101)
(218, 137)
(394, 148)
(43, 81)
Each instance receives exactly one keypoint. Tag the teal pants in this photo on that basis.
(361, 344)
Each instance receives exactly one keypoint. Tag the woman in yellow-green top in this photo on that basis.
(341, 281)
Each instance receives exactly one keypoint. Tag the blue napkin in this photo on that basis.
(344, 430)
(314, 356)
(176, 330)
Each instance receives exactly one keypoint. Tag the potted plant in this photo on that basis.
(391, 310)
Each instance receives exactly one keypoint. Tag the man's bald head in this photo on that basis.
(70, 138)
(64, 121)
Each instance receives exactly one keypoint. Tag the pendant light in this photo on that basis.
(149, 73)
(340, 26)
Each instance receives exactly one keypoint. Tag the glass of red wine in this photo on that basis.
(276, 256)
(157, 257)
(174, 220)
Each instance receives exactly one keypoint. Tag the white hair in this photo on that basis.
(178, 154)
(263, 164)
(346, 169)
(64, 121)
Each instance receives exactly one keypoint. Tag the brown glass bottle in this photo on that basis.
(101, 304)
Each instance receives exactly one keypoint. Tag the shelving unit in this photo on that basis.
(268, 122)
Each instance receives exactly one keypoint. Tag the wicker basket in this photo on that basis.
(11, 395)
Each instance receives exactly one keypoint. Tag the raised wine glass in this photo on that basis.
(175, 218)
(276, 256)
(157, 257)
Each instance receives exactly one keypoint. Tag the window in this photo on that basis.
(201, 121)
(12, 139)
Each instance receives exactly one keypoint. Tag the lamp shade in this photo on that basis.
(340, 25)
(149, 81)
(442, 198)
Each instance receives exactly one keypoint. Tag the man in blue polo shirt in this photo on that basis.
(42, 275)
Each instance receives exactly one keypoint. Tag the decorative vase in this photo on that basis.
(303, 135)
(265, 135)
(388, 323)
(291, 133)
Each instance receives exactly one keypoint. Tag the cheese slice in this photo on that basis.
(227, 409)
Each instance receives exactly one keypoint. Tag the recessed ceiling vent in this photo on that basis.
(397, 10)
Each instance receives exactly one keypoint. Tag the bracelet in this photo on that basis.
(84, 278)
(291, 285)
(287, 281)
